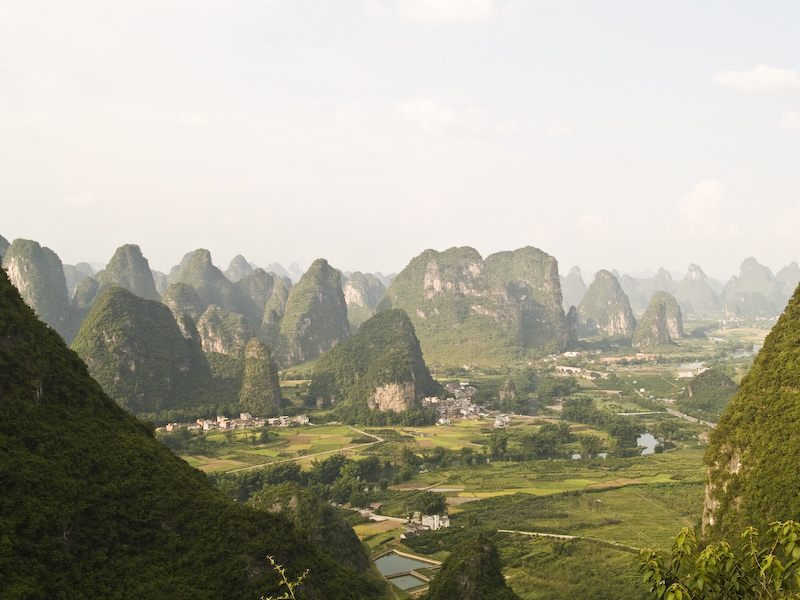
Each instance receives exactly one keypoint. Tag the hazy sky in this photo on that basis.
(626, 135)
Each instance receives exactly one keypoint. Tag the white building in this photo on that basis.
(435, 522)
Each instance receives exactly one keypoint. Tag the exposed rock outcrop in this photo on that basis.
(605, 308)
(465, 309)
(361, 293)
(662, 322)
(396, 397)
(379, 368)
(224, 331)
(37, 272)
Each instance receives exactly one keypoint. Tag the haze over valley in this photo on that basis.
(393, 299)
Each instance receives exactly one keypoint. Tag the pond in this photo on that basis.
(405, 582)
(392, 563)
(648, 441)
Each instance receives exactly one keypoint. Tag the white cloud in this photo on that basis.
(83, 199)
(559, 131)
(592, 228)
(760, 80)
(441, 12)
(699, 212)
(791, 120)
(433, 119)
(195, 121)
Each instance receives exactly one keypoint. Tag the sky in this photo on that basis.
(623, 135)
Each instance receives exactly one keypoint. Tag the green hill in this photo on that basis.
(130, 270)
(210, 284)
(707, 395)
(755, 450)
(182, 298)
(465, 309)
(324, 524)
(238, 268)
(91, 506)
(662, 322)
(605, 308)
(471, 572)
(3, 247)
(135, 349)
(261, 388)
(315, 316)
(256, 289)
(379, 368)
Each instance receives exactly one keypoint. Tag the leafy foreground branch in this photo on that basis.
(289, 585)
(764, 567)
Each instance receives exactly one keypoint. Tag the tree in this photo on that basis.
(430, 503)
(764, 567)
(590, 444)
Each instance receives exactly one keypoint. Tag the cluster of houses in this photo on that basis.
(245, 421)
(459, 405)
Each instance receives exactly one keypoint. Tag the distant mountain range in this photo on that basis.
(463, 309)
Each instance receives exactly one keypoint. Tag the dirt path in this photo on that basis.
(375, 437)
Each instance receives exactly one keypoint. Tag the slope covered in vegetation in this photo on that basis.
(755, 450)
(92, 506)
(383, 356)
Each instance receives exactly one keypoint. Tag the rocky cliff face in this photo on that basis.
(605, 308)
(396, 397)
(379, 368)
(361, 293)
(3, 247)
(662, 322)
(37, 272)
(224, 332)
(753, 454)
(130, 270)
(315, 316)
(238, 269)
(696, 295)
(465, 309)
(135, 349)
